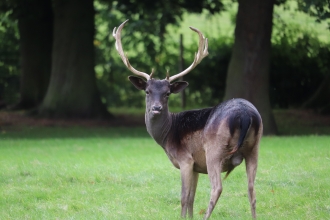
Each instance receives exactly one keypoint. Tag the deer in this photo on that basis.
(207, 141)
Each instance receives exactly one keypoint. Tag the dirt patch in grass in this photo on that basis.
(289, 122)
(301, 122)
(21, 119)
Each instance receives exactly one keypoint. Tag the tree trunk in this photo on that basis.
(72, 92)
(35, 25)
(248, 72)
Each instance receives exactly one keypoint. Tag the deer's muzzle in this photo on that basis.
(156, 109)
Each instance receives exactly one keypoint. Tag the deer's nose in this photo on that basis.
(157, 108)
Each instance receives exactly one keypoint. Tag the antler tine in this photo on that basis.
(201, 53)
(117, 35)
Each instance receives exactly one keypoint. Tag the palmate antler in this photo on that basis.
(201, 53)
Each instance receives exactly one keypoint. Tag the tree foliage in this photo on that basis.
(9, 59)
(298, 64)
(143, 40)
(300, 61)
(318, 8)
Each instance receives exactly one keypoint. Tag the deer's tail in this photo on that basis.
(243, 121)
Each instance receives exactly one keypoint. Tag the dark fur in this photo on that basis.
(242, 118)
(187, 122)
(239, 116)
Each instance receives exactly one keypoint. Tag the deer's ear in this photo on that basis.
(138, 82)
(178, 86)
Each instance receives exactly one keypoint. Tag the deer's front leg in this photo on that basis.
(189, 180)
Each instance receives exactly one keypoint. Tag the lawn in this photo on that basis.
(68, 172)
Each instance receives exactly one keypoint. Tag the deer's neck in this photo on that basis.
(159, 126)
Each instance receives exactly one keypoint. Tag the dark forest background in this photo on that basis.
(57, 57)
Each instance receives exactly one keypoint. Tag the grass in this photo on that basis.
(120, 173)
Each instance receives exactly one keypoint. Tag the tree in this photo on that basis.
(57, 57)
(248, 72)
(35, 25)
(72, 90)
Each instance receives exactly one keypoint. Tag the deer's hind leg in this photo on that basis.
(214, 161)
(251, 162)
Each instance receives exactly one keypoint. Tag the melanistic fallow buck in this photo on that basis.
(210, 140)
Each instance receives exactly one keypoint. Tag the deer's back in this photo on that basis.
(210, 120)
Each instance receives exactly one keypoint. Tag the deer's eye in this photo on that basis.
(147, 92)
(167, 94)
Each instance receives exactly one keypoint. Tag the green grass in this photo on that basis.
(120, 173)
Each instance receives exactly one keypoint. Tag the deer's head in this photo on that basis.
(157, 91)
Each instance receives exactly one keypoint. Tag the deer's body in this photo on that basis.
(209, 141)
(187, 134)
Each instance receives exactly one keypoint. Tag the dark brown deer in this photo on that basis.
(209, 141)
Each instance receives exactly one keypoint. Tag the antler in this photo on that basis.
(201, 53)
(119, 48)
